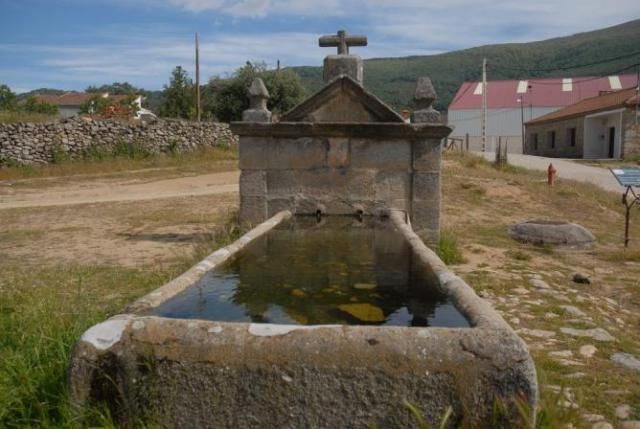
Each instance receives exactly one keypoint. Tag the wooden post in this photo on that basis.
(466, 141)
(197, 79)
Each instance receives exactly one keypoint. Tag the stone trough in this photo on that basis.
(340, 153)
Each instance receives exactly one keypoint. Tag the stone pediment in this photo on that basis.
(343, 100)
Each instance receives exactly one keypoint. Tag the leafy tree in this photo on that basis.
(178, 96)
(32, 105)
(7, 98)
(116, 88)
(230, 98)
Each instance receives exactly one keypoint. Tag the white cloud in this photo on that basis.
(395, 28)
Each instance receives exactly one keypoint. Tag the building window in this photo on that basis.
(551, 137)
(571, 136)
(534, 140)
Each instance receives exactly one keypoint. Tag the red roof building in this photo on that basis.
(510, 103)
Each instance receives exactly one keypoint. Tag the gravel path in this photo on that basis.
(565, 169)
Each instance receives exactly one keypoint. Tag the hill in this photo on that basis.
(393, 79)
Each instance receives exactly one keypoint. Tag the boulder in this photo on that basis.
(548, 232)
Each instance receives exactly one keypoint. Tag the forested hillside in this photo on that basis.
(393, 79)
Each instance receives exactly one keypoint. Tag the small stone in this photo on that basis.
(631, 424)
(573, 311)
(587, 351)
(593, 417)
(626, 360)
(581, 278)
(561, 354)
(569, 362)
(550, 315)
(602, 425)
(597, 334)
(539, 333)
(576, 375)
(623, 412)
(539, 284)
(521, 291)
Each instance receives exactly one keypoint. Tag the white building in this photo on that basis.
(510, 103)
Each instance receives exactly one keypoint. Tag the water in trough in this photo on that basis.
(336, 270)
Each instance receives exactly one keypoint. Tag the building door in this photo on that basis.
(612, 141)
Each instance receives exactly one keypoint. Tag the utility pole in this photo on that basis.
(637, 96)
(197, 79)
(484, 104)
(521, 101)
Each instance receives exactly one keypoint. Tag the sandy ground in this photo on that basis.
(112, 190)
(128, 221)
(146, 222)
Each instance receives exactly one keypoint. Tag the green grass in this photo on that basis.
(122, 159)
(43, 312)
(10, 117)
(448, 249)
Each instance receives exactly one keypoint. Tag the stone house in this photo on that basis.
(599, 127)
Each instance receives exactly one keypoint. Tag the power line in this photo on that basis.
(608, 60)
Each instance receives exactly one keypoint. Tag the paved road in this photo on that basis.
(565, 169)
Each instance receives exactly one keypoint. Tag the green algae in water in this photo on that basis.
(336, 271)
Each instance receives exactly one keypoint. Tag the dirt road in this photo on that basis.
(116, 190)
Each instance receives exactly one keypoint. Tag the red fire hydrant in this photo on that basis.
(551, 174)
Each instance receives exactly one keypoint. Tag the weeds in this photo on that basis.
(121, 159)
(518, 255)
(448, 249)
(43, 312)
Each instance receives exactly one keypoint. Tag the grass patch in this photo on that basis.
(448, 249)
(125, 159)
(518, 255)
(43, 312)
(11, 117)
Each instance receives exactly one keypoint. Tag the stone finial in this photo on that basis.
(258, 96)
(423, 98)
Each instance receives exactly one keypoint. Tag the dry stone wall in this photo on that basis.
(29, 143)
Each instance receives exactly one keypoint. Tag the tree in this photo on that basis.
(116, 88)
(178, 96)
(230, 97)
(7, 98)
(32, 105)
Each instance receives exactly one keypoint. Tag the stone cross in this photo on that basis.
(342, 41)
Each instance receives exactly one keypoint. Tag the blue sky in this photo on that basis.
(70, 44)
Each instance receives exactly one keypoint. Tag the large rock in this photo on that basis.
(626, 360)
(543, 232)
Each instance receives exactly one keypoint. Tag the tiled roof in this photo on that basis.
(73, 99)
(554, 92)
(609, 101)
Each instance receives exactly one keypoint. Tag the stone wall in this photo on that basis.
(28, 143)
(563, 148)
(341, 170)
